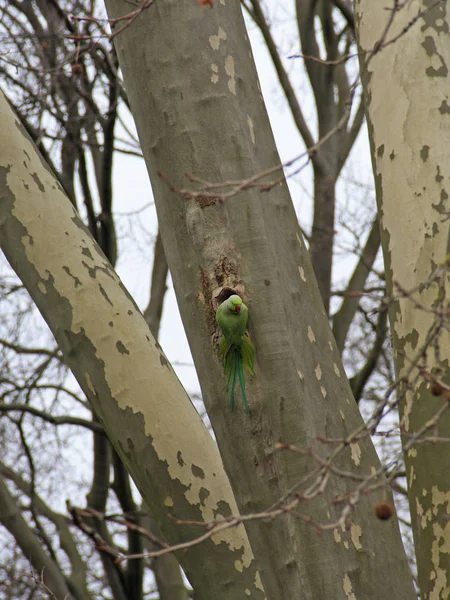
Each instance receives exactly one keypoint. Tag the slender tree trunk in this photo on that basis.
(345, 315)
(158, 288)
(168, 576)
(193, 88)
(408, 109)
(324, 83)
(322, 234)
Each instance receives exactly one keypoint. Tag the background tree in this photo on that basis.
(68, 93)
(408, 116)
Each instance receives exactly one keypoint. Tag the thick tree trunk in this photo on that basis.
(105, 341)
(193, 88)
(409, 125)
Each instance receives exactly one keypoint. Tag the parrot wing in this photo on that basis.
(248, 354)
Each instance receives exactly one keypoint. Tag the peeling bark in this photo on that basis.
(192, 85)
(131, 386)
(409, 126)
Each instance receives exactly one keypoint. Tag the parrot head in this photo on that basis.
(234, 303)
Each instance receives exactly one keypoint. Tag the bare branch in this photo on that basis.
(358, 381)
(346, 11)
(13, 521)
(63, 420)
(78, 572)
(296, 111)
(153, 312)
(344, 316)
(349, 138)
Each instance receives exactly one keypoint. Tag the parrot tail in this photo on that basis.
(240, 369)
(234, 359)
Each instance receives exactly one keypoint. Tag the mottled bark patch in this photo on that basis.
(122, 348)
(105, 295)
(223, 509)
(180, 459)
(197, 472)
(203, 495)
(37, 181)
(76, 280)
(163, 360)
(424, 153)
(444, 108)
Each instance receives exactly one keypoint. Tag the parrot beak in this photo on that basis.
(238, 308)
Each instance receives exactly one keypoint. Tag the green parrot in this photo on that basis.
(235, 348)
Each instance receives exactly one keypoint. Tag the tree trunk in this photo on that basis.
(408, 113)
(105, 341)
(194, 92)
(322, 233)
(158, 288)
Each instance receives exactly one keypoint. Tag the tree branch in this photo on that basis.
(358, 381)
(349, 137)
(344, 316)
(77, 578)
(153, 312)
(346, 11)
(66, 420)
(134, 572)
(13, 521)
(166, 569)
(296, 111)
(97, 498)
